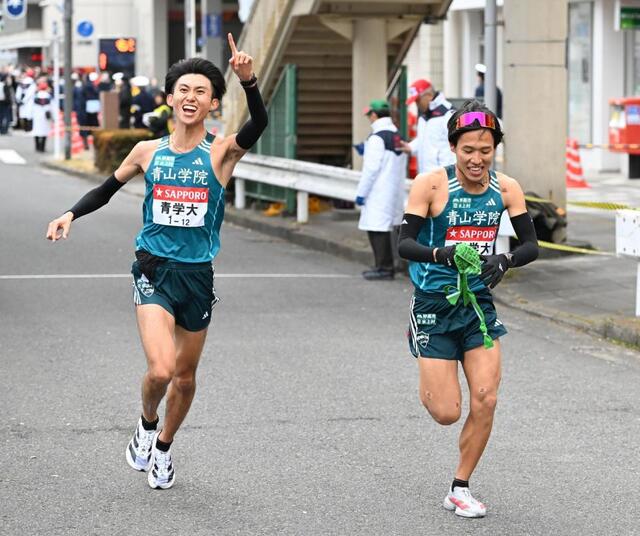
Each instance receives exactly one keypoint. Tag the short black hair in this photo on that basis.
(473, 105)
(381, 113)
(196, 66)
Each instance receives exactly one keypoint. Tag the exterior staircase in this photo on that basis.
(314, 36)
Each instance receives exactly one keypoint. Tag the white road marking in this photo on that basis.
(120, 276)
(9, 156)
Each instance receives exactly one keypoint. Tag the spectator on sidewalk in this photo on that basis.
(142, 101)
(42, 115)
(91, 97)
(158, 120)
(124, 96)
(24, 98)
(431, 144)
(381, 188)
(6, 102)
(481, 69)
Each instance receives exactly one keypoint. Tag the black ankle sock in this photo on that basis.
(161, 445)
(459, 484)
(149, 425)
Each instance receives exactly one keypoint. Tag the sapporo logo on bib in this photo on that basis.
(479, 238)
(179, 206)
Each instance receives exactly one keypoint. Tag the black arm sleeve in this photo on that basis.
(408, 247)
(251, 130)
(527, 251)
(96, 198)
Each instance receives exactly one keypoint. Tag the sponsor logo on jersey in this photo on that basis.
(491, 202)
(164, 160)
(426, 319)
(480, 238)
(198, 162)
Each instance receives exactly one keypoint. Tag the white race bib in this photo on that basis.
(179, 206)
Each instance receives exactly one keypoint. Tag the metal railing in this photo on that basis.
(303, 177)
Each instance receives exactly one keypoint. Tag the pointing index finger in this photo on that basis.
(232, 45)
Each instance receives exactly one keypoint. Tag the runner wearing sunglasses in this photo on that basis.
(462, 204)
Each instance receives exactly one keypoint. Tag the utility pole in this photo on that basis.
(490, 41)
(68, 83)
(189, 28)
(56, 90)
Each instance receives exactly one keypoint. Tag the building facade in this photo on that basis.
(141, 37)
(602, 62)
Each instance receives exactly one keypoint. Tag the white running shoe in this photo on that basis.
(461, 500)
(138, 451)
(162, 474)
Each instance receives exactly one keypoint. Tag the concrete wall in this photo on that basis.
(425, 58)
(152, 56)
(608, 82)
(535, 95)
(112, 19)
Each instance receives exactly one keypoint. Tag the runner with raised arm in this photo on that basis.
(185, 174)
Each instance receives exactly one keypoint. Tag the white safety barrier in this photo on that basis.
(303, 177)
(628, 242)
(318, 179)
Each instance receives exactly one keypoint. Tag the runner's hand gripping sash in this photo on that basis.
(468, 263)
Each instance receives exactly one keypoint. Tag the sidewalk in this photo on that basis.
(592, 293)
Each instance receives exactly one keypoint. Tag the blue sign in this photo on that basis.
(214, 25)
(85, 28)
(15, 9)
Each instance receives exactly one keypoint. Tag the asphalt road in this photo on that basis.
(306, 420)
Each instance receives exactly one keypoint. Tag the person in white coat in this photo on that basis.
(381, 188)
(42, 116)
(24, 97)
(431, 144)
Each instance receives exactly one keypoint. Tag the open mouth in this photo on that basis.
(187, 108)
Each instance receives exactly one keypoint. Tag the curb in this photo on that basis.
(70, 171)
(295, 233)
(617, 328)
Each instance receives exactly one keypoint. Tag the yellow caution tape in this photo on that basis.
(602, 205)
(590, 204)
(573, 249)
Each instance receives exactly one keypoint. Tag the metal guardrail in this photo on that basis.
(303, 177)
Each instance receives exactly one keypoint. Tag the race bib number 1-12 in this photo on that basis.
(179, 206)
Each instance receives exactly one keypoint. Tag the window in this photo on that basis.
(580, 70)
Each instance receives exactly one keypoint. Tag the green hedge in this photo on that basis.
(112, 146)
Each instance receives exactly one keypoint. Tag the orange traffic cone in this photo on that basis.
(58, 127)
(574, 176)
(77, 143)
